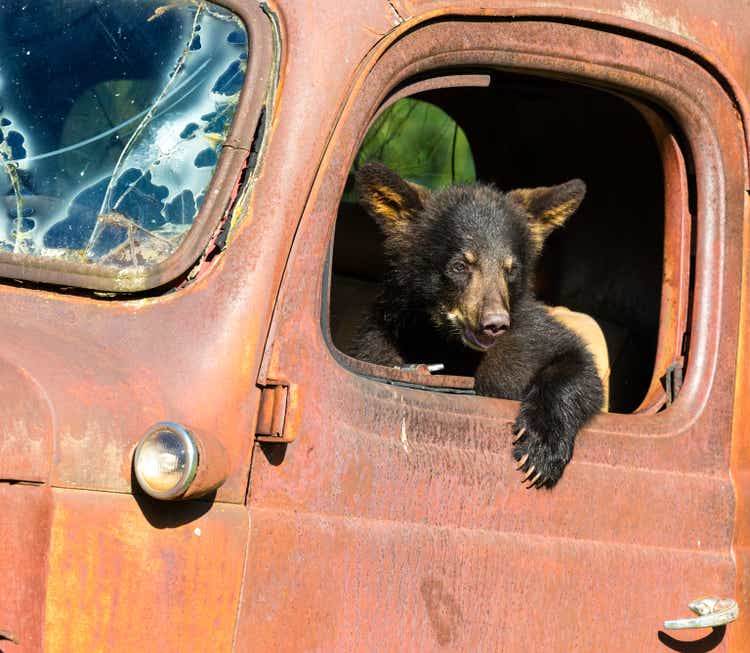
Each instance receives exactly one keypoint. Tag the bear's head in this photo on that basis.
(463, 255)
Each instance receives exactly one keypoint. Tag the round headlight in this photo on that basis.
(166, 461)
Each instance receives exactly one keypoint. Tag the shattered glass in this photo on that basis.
(113, 114)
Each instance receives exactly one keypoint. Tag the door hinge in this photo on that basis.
(272, 412)
(673, 381)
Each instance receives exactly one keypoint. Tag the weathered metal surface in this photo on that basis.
(126, 575)
(403, 522)
(26, 426)
(396, 518)
(739, 633)
(370, 585)
(418, 376)
(714, 31)
(25, 520)
(106, 382)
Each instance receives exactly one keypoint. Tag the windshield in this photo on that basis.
(113, 115)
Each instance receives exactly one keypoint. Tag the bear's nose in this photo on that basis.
(494, 324)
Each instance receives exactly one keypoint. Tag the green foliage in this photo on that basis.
(421, 143)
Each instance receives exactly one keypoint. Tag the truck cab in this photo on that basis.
(182, 262)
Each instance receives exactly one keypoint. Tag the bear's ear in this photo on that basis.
(548, 206)
(389, 199)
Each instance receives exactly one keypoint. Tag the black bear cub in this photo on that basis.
(458, 290)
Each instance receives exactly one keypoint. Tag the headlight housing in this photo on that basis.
(166, 461)
(171, 462)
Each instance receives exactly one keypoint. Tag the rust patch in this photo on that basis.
(357, 481)
(114, 559)
(443, 610)
(25, 522)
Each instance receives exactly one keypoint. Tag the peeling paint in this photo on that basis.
(397, 17)
(643, 12)
(404, 440)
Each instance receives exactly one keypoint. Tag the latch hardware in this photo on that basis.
(712, 612)
(673, 381)
(274, 399)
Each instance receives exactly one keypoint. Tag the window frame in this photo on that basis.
(220, 193)
(672, 332)
(675, 95)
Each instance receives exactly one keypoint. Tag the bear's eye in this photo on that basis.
(459, 267)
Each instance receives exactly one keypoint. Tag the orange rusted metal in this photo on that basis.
(25, 524)
(394, 520)
(740, 461)
(128, 574)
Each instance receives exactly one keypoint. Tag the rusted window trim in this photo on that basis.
(432, 84)
(679, 84)
(415, 379)
(675, 289)
(220, 193)
(612, 23)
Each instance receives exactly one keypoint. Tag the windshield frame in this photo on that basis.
(220, 193)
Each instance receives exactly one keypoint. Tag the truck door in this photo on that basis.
(387, 511)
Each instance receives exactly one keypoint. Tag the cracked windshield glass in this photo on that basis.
(113, 117)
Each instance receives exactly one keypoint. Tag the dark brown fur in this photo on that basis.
(457, 291)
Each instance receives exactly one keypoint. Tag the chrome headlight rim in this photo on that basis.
(190, 446)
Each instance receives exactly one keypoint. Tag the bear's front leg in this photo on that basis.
(560, 399)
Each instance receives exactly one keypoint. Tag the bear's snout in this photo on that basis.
(493, 324)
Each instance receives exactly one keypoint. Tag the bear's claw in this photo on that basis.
(541, 460)
(519, 435)
(539, 477)
(529, 474)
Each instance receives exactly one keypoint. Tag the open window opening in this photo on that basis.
(611, 261)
